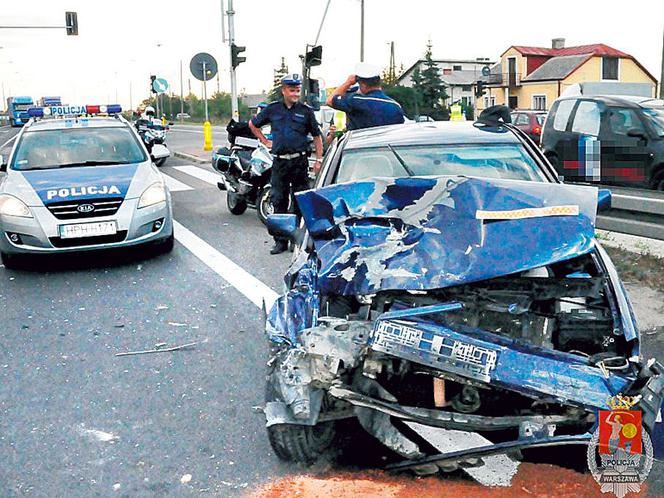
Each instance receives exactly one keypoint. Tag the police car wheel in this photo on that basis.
(10, 261)
(236, 203)
(165, 246)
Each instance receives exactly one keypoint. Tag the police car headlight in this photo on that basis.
(154, 194)
(11, 206)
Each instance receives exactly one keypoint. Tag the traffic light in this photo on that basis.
(235, 50)
(479, 88)
(314, 57)
(71, 23)
(152, 78)
(313, 93)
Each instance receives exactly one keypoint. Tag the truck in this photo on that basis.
(17, 110)
(50, 101)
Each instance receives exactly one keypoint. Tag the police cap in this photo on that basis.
(291, 79)
(365, 71)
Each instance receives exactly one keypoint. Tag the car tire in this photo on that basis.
(161, 162)
(659, 183)
(165, 246)
(264, 205)
(236, 203)
(298, 443)
(10, 261)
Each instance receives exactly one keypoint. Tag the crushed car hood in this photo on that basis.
(421, 233)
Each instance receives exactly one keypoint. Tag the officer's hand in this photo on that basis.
(317, 166)
(352, 79)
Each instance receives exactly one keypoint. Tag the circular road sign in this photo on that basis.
(198, 62)
(160, 85)
(486, 71)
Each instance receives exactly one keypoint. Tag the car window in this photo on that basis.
(586, 119)
(522, 119)
(621, 120)
(562, 114)
(540, 119)
(656, 117)
(55, 148)
(506, 161)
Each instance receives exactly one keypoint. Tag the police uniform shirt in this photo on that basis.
(369, 109)
(290, 127)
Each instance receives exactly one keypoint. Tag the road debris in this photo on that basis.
(104, 437)
(177, 324)
(185, 478)
(158, 350)
(161, 307)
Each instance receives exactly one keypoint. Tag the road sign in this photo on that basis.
(160, 85)
(201, 60)
(486, 71)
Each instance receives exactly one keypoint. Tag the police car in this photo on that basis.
(81, 181)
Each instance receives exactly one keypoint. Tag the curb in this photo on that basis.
(190, 157)
(632, 243)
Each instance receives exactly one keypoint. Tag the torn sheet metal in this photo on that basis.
(423, 233)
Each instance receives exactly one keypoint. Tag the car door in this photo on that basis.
(624, 158)
(581, 148)
(556, 137)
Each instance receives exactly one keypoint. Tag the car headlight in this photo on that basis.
(12, 206)
(154, 194)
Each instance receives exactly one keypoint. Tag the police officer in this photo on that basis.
(370, 106)
(291, 122)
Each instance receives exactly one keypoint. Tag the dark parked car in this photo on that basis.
(530, 122)
(613, 140)
(445, 280)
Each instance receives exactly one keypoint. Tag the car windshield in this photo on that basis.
(656, 117)
(76, 147)
(506, 161)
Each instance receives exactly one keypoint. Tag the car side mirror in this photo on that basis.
(603, 200)
(282, 225)
(636, 133)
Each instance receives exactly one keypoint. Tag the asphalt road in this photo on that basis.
(76, 420)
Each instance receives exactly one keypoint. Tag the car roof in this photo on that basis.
(59, 124)
(437, 132)
(620, 100)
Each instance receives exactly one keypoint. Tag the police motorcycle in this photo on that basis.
(153, 134)
(245, 169)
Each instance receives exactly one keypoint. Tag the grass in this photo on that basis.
(645, 269)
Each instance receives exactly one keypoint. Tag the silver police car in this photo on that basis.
(78, 184)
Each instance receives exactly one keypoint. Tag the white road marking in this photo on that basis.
(252, 288)
(14, 137)
(175, 185)
(497, 470)
(201, 174)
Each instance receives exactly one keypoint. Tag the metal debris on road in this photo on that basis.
(185, 478)
(655, 330)
(158, 350)
(177, 324)
(161, 307)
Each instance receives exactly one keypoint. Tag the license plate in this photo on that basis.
(80, 230)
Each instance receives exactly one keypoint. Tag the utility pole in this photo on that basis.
(661, 76)
(231, 42)
(361, 30)
(181, 96)
(392, 71)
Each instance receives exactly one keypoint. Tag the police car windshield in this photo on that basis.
(58, 148)
(505, 161)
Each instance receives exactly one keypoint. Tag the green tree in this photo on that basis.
(430, 87)
(407, 97)
(280, 72)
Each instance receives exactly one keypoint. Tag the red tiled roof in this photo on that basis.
(595, 49)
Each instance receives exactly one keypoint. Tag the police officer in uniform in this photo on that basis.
(292, 122)
(368, 107)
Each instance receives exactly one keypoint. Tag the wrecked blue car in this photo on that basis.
(448, 288)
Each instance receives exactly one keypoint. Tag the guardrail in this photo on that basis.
(634, 213)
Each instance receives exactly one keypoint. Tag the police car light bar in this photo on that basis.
(73, 110)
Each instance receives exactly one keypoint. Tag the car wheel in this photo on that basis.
(554, 161)
(236, 203)
(161, 162)
(11, 261)
(298, 443)
(659, 184)
(264, 207)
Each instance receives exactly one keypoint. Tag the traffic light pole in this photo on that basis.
(231, 41)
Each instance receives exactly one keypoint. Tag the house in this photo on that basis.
(533, 77)
(458, 75)
(251, 100)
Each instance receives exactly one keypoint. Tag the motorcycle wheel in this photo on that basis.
(160, 162)
(264, 206)
(236, 203)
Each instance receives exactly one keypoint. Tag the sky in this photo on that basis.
(122, 42)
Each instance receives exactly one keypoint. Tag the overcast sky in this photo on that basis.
(122, 42)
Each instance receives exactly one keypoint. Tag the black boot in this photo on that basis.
(279, 247)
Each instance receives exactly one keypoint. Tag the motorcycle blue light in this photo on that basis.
(114, 108)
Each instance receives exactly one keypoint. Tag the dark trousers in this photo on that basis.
(288, 176)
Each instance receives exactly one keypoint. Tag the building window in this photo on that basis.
(539, 102)
(456, 68)
(466, 88)
(467, 101)
(610, 68)
(489, 101)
